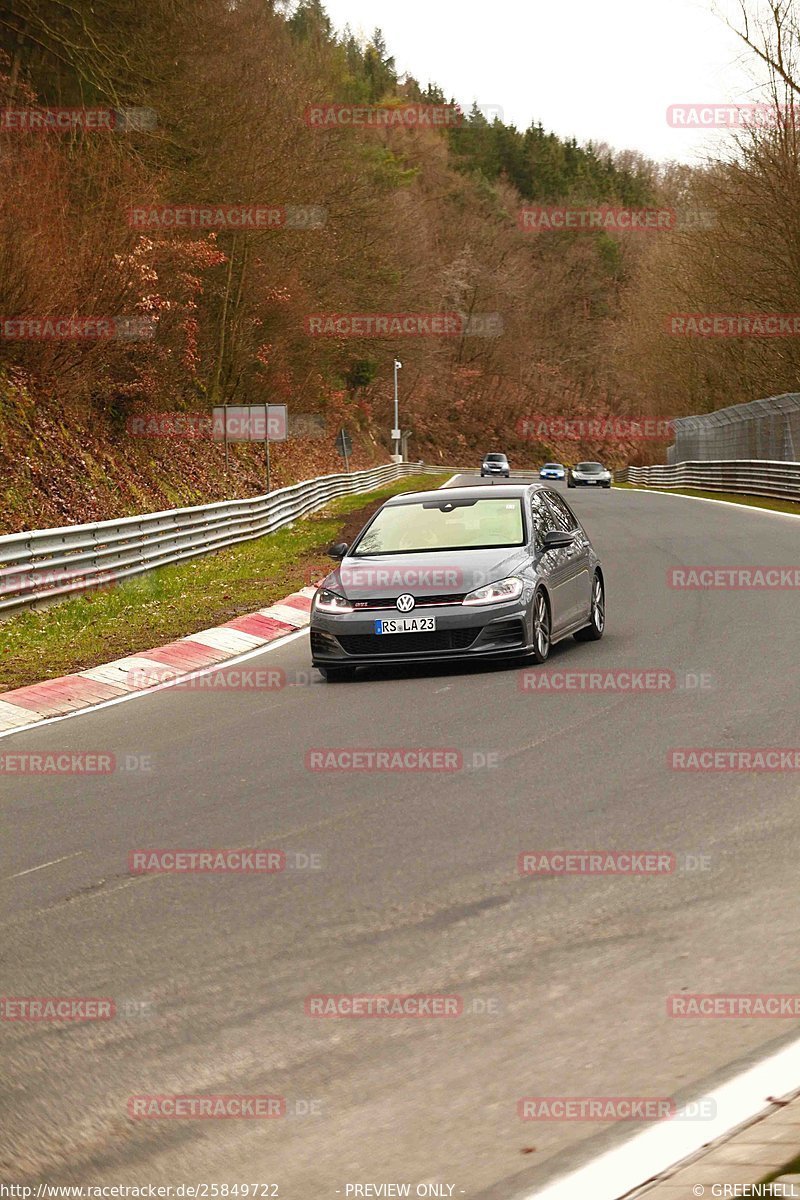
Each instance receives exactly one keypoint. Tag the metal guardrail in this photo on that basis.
(50, 564)
(750, 477)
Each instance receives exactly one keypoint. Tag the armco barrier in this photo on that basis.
(48, 564)
(750, 477)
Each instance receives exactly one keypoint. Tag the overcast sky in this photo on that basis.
(604, 70)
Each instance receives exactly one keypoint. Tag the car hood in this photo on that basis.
(425, 574)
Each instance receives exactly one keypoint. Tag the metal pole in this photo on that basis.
(266, 446)
(396, 426)
(225, 423)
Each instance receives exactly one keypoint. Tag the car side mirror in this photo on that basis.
(338, 550)
(555, 539)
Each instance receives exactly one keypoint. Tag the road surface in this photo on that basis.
(414, 888)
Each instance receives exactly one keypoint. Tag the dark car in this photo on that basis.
(478, 572)
(495, 464)
(589, 474)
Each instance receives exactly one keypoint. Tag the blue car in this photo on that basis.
(553, 471)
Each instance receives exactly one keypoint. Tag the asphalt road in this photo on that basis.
(416, 890)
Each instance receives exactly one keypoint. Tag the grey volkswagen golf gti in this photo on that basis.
(474, 572)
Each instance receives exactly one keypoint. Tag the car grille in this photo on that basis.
(421, 602)
(408, 643)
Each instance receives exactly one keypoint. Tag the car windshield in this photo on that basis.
(443, 525)
(553, 466)
(495, 458)
(590, 468)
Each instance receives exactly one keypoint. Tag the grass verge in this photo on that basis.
(767, 502)
(171, 602)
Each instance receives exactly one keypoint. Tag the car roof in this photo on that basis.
(497, 491)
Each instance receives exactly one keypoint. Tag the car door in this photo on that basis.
(552, 566)
(577, 559)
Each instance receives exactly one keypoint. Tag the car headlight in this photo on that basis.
(495, 593)
(327, 601)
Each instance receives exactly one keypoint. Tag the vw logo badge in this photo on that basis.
(405, 603)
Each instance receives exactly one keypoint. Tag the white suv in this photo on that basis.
(495, 464)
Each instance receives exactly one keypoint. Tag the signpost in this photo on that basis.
(250, 423)
(345, 447)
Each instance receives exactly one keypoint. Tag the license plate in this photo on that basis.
(406, 625)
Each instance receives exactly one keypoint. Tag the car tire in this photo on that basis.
(337, 674)
(596, 627)
(542, 627)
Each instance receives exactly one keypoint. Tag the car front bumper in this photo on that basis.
(461, 633)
